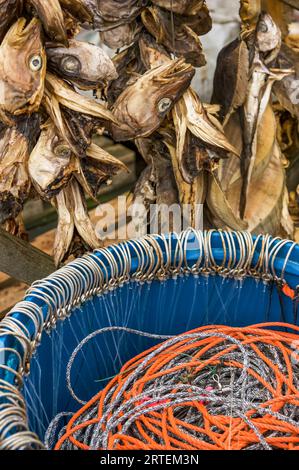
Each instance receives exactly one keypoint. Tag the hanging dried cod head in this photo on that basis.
(14, 178)
(122, 35)
(51, 15)
(268, 38)
(181, 7)
(120, 11)
(22, 68)
(85, 64)
(142, 107)
(51, 163)
(176, 36)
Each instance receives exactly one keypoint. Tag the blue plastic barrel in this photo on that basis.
(164, 285)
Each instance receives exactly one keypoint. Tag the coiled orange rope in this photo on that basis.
(215, 388)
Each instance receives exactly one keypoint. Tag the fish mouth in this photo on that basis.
(174, 79)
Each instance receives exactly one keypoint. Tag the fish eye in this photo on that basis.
(71, 64)
(63, 151)
(35, 63)
(263, 27)
(164, 105)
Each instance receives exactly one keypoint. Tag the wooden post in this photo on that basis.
(22, 261)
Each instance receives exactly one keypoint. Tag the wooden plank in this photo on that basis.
(22, 261)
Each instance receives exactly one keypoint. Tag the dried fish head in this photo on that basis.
(268, 35)
(51, 163)
(122, 35)
(181, 7)
(142, 107)
(201, 23)
(14, 178)
(177, 37)
(85, 64)
(22, 68)
(9, 10)
(51, 15)
(122, 11)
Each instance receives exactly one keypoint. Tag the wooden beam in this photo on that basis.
(22, 261)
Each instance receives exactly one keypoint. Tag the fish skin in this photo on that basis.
(9, 10)
(177, 37)
(79, 9)
(21, 89)
(152, 54)
(231, 78)
(129, 67)
(250, 11)
(51, 18)
(97, 168)
(268, 37)
(16, 227)
(14, 179)
(109, 14)
(156, 184)
(167, 81)
(73, 222)
(69, 98)
(267, 47)
(75, 128)
(122, 35)
(120, 10)
(85, 64)
(191, 194)
(65, 226)
(220, 206)
(49, 170)
(75, 116)
(181, 7)
(82, 221)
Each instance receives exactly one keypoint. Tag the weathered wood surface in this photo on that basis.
(22, 261)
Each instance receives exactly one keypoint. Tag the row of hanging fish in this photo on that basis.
(214, 154)
(227, 155)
